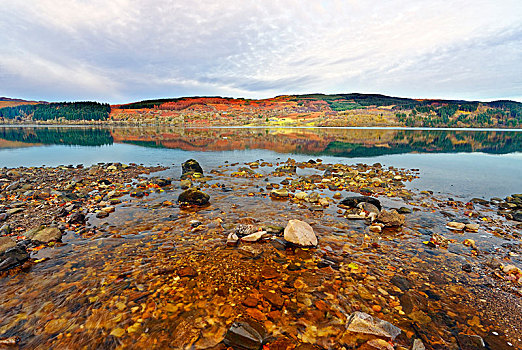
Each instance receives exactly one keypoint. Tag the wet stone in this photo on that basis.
(243, 336)
(189, 167)
(360, 322)
(193, 196)
(353, 201)
(300, 233)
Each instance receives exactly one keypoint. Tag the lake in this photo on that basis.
(461, 163)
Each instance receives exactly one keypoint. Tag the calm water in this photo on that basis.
(463, 164)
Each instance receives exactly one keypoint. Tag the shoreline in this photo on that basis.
(148, 213)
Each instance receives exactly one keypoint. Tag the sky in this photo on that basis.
(127, 50)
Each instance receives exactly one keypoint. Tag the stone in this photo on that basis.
(254, 237)
(401, 282)
(76, 218)
(418, 345)
(301, 195)
(190, 167)
(380, 344)
(404, 210)
(6, 243)
(185, 184)
(12, 257)
(300, 233)
(102, 214)
(48, 234)
(470, 342)
(232, 239)
(353, 201)
(456, 226)
(437, 240)
(472, 227)
(360, 322)
(187, 271)
(391, 218)
(243, 336)
(279, 193)
(193, 196)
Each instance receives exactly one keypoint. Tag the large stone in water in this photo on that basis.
(353, 201)
(300, 233)
(191, 166)
(360, 322)
(12, 257)
(243, 336)
(193, 196)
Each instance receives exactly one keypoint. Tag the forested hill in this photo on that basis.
(352, 109)
(67, 111)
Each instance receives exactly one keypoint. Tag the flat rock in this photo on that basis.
(300, 233)
(456, 226)
(13, 257)
(48, 234)
(254, 237)
(279, 193)
(472, 227)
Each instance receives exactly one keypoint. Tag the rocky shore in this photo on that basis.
(272, 255)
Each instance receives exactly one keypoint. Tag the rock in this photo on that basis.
(401, 282)
(360, 322)
(287, 169)
(391, 218)
(469, 243)
(76, 218)
(161, 182)
(380, 344)
(244, 229)
(187, 272)
(456, 226)
(279, 193)
(353, 201)
(254, 237)
(301, 195)
(6, 243)
(13, 257)
(368, 207)
(190, 167)
(437, 240)
(232, 239)
(243, 336)
(102, 214)
(375, 228)
(185, 184)
(14, 211)
(404, 210)
(48, 234)
(3, 216)
(472, 227)
(193, 196)
(300, 233)
(470, 342)
(418, 345)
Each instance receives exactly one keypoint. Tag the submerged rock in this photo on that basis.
(279, 193)
(6, 243)
(360, 322)
(391, 218)
(243, 336)
(193, 196)
(300, 233)
(353, 201)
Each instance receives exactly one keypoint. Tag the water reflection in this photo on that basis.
(328, 142)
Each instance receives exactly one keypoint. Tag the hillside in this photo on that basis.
(293, 110)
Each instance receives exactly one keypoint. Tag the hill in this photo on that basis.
(352, 109)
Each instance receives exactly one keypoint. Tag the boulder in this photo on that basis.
(391, 218)
(193, 196)
(190, 167)
(279, 193)
(48, 234)
(300, 233)
(353, 201)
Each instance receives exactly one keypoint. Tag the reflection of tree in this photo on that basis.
(341, 142)
(62, 136)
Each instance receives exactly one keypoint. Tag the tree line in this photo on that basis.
(57, 110)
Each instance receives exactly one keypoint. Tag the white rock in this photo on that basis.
(300, 233)
(254, 237)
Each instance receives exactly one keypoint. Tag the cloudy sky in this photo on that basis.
(125, 50)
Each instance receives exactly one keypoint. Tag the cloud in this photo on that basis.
(121, 50)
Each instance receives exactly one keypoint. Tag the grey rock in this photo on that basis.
(13, 257)
(243, 336)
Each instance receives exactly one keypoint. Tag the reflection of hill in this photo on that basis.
(59, 136)
(321, 141)
(336, 142)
